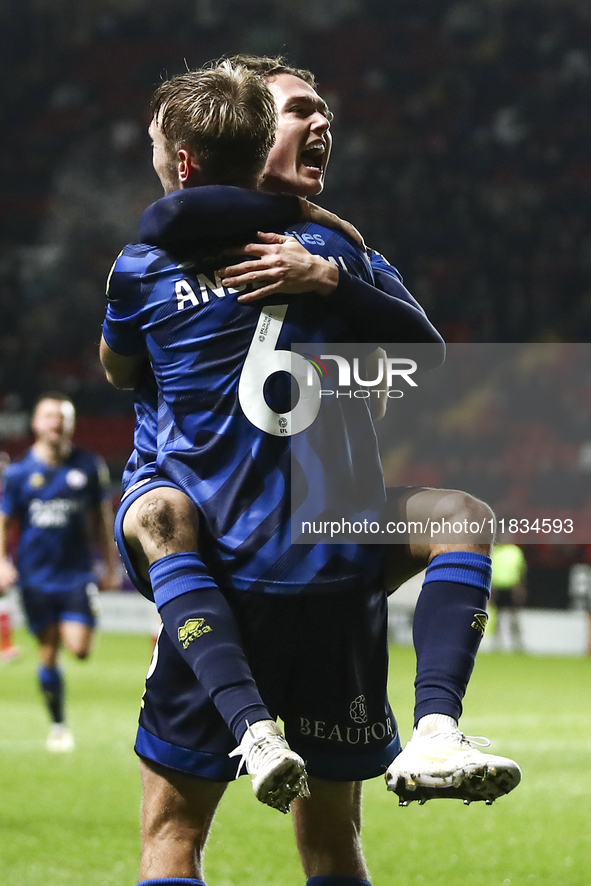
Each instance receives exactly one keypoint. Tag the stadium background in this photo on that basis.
(462, 151)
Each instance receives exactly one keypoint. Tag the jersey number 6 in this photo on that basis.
(262, 360)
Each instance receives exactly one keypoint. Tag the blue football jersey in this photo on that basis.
(213, 214)
(387, 278)
(226, 419)
(141, 464)
(51, 505)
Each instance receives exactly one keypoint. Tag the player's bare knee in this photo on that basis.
(79, 647)
(472, 521)
(157, 517)
(165, 527)
(473, 510)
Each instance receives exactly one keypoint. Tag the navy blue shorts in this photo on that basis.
(321, 665)
(44, 608)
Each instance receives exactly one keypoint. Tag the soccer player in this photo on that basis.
(327, 823)
(148, 499)
(57, 495)
(450, 616)
(311, 619)
(157, 523)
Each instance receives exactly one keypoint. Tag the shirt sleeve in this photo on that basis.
(387, 277)
(125, 301)
(379, 263)
(386, 317)
(214, 212)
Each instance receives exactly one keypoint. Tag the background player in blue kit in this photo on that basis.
(57, 495)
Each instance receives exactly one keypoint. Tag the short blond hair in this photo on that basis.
(224, 115)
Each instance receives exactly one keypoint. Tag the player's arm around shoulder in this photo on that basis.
(282, 264)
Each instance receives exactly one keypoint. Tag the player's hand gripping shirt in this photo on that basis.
(52, 504)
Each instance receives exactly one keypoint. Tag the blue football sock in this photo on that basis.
(201, 625)
(449, 622)
(187, 881)
(336, 881)
(51, 682)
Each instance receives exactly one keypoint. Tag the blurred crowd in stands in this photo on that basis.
(509, 423)
(462, 151)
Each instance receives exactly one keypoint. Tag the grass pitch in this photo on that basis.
(71, 820)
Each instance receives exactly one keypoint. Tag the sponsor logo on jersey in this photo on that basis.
(52, 514)
(479, 623)
(308, 239)
(192, 629)
(36, 480)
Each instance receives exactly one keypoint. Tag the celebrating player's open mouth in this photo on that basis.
(313, 156)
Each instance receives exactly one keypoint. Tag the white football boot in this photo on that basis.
(60, 739)
(447, 764)
(278, 774)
